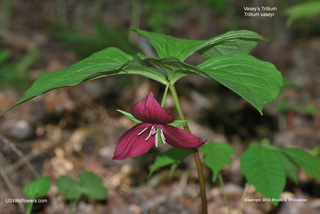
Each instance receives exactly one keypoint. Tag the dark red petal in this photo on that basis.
(180, 138)
(130, 144)
(150, 111)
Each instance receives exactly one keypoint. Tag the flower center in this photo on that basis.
(154, 131)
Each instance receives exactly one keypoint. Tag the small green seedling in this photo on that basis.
(36, 189)
(89, 184)
(267, 166)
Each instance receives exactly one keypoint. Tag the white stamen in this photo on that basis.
(154, 131)
(140, 133)
(156, 140)
(162, 136)
(150, 133)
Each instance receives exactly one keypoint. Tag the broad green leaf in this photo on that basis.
(175, 123)
(229, 47)
(174, 68)
(303, 10)
(37, 188)
(92, 186)
(230, 43)
(216, 156)
(172, 156)
(290, 167)
(265, 170)
(69, 187)
(107, 62)
(242, 42)
(306, 161)
(167, 46)
(257, 81)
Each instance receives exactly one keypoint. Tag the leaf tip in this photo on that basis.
(151, 173)
(261, 113)
(133, 29)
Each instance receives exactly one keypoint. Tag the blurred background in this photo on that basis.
(75, 129)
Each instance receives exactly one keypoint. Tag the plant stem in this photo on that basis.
(244, 195)
(74, 205)
(201, 181)
(224, 193)
(204, 207)
(164, 95)
(29, 207)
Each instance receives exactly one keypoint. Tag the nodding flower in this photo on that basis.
(140, 138)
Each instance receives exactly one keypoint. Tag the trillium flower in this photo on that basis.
(140, 138)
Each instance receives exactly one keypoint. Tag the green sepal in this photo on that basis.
(129, 115)
(175, 123)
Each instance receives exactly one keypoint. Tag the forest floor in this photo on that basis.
(75, 129)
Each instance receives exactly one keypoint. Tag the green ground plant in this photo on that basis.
(36, 189)
(89, 185)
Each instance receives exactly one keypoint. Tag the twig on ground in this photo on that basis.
(7, 181)
(21, 155)
(22, 161)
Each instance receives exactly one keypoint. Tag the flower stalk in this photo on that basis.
(204, 207)
(165, 95)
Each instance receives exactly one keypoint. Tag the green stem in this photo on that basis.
(74, 205)
(164, 95)
(224, 193)
(29, 207)
(244, 195)
(178, 106)
(204, 206)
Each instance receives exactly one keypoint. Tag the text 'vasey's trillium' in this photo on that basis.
(140, 138)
